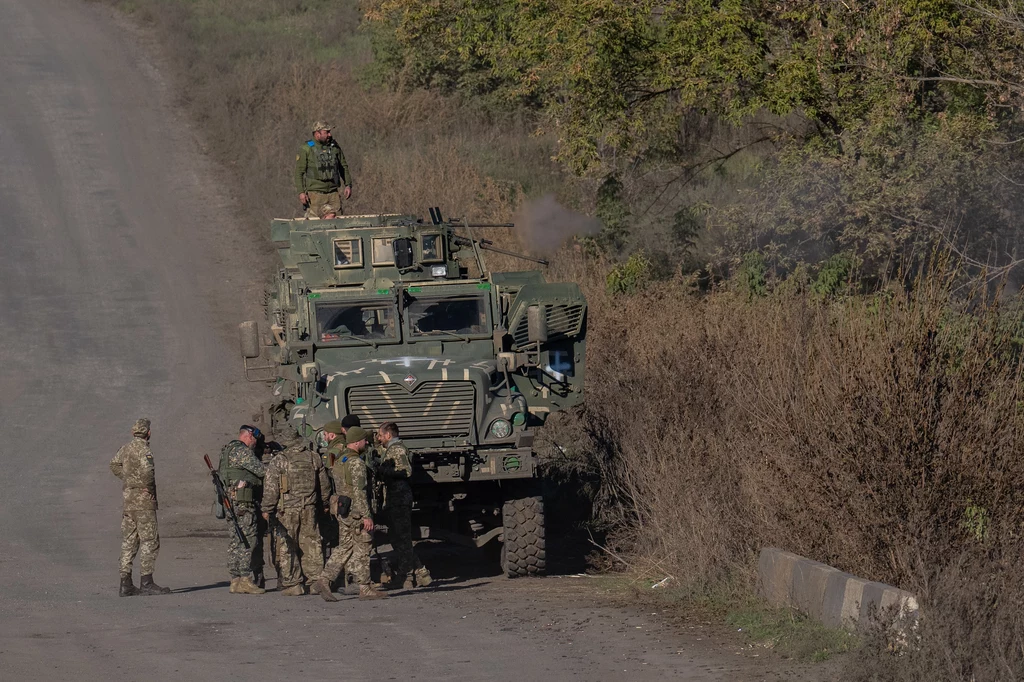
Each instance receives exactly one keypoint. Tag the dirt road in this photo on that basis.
(122, 276)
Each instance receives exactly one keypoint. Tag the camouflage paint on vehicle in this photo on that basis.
(394, 319)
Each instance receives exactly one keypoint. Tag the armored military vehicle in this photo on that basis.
(392, 318)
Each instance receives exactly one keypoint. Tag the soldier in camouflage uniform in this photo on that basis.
(355, 523)
(133, 464)
(395, 470)
(333, 433)
(296, 485)
(242, 473)
(320, 173)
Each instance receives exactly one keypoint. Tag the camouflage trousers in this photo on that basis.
(139, 537)
(241, 559)
(400, 534)
(299, 553)
(352, 553)
(321, 204)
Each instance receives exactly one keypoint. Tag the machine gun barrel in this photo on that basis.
(488, 245)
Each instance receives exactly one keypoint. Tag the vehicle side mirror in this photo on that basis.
(403, 253)
(537, 323)
(248, 339)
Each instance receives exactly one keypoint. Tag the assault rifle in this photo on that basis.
(222, 496)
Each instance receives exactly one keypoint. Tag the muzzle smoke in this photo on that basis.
(544, 225)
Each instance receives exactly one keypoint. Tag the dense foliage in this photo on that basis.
(883, 126)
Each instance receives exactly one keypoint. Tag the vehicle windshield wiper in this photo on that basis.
(453, 335)
(344, 335)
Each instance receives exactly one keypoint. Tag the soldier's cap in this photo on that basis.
(351, 420)
(321, 125)
(334, 427)
(355, 434)
(256, 433)
(140, 427)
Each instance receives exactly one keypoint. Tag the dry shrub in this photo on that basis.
(257, 73)
(881, 435)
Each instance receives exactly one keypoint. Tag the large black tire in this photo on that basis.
(523, 551)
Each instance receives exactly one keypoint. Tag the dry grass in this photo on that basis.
(882, 435)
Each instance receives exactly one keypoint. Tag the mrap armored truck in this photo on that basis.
(392, 318)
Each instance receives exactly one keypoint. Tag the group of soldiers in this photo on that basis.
(314, 506)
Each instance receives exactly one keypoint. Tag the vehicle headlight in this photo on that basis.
(438, 270)
(501, 428)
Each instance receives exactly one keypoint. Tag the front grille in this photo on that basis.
(563, 321)
(434, 409)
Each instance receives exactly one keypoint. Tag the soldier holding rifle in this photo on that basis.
(242, 473)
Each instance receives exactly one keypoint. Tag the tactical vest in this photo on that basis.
(345, 485)
(325, 159)
(231, 475)
(298, 478)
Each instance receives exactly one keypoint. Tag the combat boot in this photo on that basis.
(128, 588)
(234, 586)
(370, 592)
(245, 585)
(148, 587)
(408, 583)
(323, 586)
(423, 578)
(314, 587)
(294, 591)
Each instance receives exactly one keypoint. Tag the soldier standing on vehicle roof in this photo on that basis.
(133, 464)
(295, 486)
(242, 473)
(355, 520)
(396, 471)
(320, 174)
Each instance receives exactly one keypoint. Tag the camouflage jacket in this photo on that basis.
(334, 450)
(351, 480)
(396, 470)
(239, 463)
(321, 168)
(133, 464)
(296, 478)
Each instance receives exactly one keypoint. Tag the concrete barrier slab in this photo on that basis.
(826, 594)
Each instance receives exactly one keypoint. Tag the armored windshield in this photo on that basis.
(338, 321)
(432, 315)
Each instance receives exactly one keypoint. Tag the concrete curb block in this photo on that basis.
(826, 594)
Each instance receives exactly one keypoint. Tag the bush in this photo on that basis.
(880, 434)
(630, 277)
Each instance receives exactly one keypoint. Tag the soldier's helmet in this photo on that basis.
(321, 125)
(140, 427)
